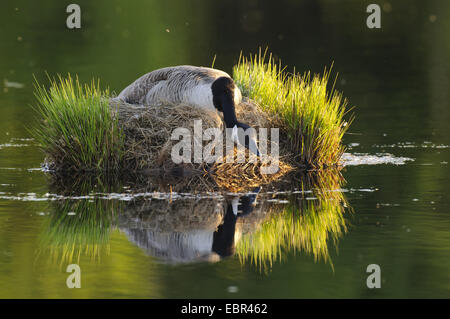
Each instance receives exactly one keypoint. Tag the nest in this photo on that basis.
(148, 130)
(148, 143)
(244, 176)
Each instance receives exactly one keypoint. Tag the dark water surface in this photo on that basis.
(390, 208)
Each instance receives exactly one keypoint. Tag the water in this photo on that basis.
(391, 207)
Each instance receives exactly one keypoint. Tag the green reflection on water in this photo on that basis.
(79, 227)
(306, 224)
(186, 228)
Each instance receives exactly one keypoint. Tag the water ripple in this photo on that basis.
(354, 159)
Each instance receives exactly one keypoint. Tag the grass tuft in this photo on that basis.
(310, 116)
(77, 130)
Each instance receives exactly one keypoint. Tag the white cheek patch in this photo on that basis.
(237, 95)
(234, 134)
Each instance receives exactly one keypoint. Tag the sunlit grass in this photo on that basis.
(77, 129)
(311, 115)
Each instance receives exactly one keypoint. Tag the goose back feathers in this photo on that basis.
(179, 84)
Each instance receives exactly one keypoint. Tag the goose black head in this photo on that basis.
(223, 92)
(223, 100)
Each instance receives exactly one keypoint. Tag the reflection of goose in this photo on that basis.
(224, 237)
(197, 86)
(174, 247)
(194, 244)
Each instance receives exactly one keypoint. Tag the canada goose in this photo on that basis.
(197, 86)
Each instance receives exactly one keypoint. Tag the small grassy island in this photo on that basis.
(82, 129)
(311, 117)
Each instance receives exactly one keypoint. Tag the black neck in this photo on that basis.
(223, 237)
(229, 113)
(223, 99)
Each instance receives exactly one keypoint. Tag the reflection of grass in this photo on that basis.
(84, 183)
(79, 227)
(311, 116)
(301, 225)
(78, 130)
(325, 184)
(308, 229)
